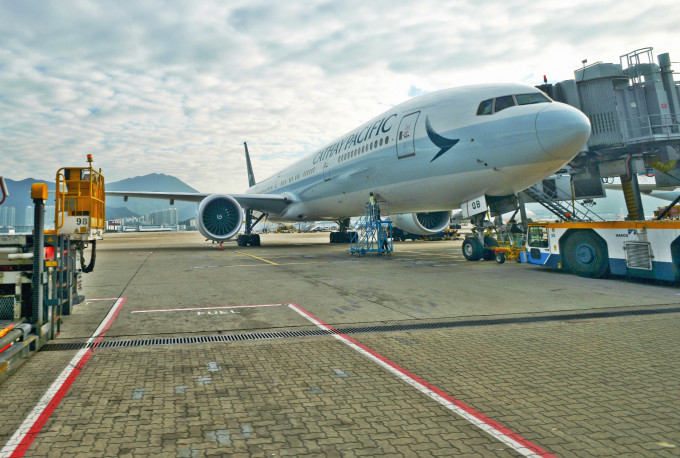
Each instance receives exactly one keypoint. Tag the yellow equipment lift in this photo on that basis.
(79, 208)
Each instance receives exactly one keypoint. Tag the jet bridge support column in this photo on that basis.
(631, 192)
(522, 208)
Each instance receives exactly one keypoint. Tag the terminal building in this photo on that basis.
(163, 217)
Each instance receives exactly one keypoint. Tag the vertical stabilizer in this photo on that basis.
(251, 176)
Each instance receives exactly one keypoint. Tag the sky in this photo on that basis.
(177, 86)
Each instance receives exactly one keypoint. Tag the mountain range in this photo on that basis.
(20, 196)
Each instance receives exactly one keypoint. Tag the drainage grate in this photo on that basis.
(355, 330)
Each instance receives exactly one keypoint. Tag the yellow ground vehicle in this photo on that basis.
(509, 249)
(79, 208)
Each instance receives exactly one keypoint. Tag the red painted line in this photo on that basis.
(3, 349)
(37, 426)
(488, 421)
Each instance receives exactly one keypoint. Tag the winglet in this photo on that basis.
(251, 176)
(3, 187)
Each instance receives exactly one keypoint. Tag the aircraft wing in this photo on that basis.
(265, 203)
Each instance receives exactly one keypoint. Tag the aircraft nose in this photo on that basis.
(562, 130)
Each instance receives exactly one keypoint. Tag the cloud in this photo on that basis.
(176, 86)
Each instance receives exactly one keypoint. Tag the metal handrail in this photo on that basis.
(669, 124)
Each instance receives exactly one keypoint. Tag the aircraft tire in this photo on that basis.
(473, 249)
(242, 240)
(585, 254)
(254, 240)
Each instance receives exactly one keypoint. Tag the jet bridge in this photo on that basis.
(634, 111)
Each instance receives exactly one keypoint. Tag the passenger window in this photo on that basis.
(485, 107)
(528, 99)
(504, 102)
(538, 237)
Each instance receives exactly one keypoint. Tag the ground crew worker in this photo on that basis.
(516, 232)
(514, 228)
(375, 209)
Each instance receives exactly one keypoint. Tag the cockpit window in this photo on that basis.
(485, 108)
(504, 102)
(488, 107)
(528, 99)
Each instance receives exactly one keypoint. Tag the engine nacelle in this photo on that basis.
(422, 223)
(219, 217)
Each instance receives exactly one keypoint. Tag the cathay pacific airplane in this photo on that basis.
(463, 147)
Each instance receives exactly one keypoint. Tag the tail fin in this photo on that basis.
(251, 176)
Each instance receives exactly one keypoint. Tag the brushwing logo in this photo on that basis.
(444, 144)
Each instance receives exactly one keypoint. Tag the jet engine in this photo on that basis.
(422, 223)
(219, 217)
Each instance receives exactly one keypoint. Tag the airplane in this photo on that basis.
(467, 147)
(651, 189)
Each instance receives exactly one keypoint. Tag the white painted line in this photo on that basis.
(489, 426)
(206, 308)
(22, 438)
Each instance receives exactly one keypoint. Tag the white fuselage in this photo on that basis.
(395, 156)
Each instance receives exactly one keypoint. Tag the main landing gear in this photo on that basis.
(342, 235)
(479, 246)
(249, 238)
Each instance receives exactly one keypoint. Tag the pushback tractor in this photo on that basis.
(643, 249)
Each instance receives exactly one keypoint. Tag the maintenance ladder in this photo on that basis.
(372, 235)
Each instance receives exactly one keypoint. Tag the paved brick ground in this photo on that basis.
(597, 387)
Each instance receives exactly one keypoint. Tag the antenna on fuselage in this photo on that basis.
(251, 176)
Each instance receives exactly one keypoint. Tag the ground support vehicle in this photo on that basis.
(40, 272)
(510, 249)
(644, 249)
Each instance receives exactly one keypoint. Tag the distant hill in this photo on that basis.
(119, 213)
(151, 182)
(20, 196)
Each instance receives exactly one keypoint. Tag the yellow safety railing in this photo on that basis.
(79, 203)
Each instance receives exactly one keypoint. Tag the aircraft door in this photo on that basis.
(327, 170)
(406, 135)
